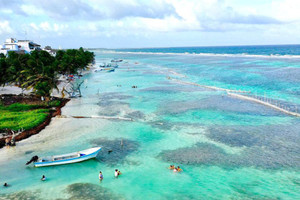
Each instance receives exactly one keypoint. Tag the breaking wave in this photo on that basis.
(204, 54)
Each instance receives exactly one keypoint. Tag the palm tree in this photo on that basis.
(39, 70)
(3, 69)
(41, 73)
(42, 84)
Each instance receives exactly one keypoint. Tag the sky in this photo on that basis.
(150, 23)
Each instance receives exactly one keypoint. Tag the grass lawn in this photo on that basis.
(17, 116)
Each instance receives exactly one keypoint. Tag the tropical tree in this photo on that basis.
(72, 60)
(3, 68)
(16, 63)
(42, 84)
(41, 73)
(39, 70)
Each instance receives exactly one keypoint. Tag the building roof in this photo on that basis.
(35, 44)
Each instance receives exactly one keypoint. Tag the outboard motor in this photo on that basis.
(33, 159)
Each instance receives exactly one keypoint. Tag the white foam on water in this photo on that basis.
(206, 54)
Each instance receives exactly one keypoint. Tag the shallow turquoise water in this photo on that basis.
(228, 148)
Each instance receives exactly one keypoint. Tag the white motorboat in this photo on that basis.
(74, 157)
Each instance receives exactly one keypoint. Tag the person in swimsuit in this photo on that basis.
(179, 169)
(116, 173)
(100, 176)
(43, 178)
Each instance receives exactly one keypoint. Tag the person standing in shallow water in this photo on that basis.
(100, 176)
(116, 173)
(43, 178)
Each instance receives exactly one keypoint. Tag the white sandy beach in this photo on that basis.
(12, 90)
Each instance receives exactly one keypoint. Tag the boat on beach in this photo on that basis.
(74, 157)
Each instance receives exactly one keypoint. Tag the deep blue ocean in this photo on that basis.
(267, 50)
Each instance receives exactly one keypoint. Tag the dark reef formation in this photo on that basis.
(89, 191)
(211, 155)
(114, 151)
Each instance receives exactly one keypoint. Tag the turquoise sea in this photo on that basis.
(228, 148)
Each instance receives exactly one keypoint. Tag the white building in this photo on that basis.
(20, 46)
(9, 45)
(50, 50)
(28, 45)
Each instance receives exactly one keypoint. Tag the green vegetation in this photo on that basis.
(17, 116)
(17, 107)
(39, 70)
(54, 103)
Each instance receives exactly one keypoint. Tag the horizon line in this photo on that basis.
(164, 47)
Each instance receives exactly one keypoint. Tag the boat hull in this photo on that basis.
(67, 161)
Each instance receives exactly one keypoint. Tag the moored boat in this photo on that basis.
(109, 65)
(108, 69)
(105, 65)
(74, 157)
(116, 60)
(105, 70)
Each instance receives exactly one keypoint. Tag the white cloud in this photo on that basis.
(143, 18)
(287, 10)
(34, 26)
(31, 10)
(60, 27)
(45, 26)
(5, 28)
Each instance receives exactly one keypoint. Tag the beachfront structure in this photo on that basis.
(9, 45)
(28, 45)
(20, 46)
(50, 50)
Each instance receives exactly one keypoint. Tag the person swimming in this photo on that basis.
(171, 167)
(116, 173)
(179, 169)
(100, 176)
(5, 185)
(43, 178)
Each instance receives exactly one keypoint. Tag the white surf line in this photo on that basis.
(107, 117)
(208, 54)
(240, 96)
(96, 116)
(209, 87)
(176, 73)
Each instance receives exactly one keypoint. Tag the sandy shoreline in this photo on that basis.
(12, 90)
